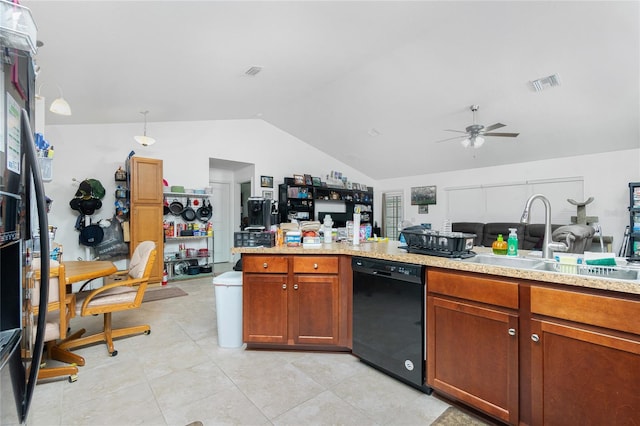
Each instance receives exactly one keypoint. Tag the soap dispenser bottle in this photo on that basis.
(499, 246)
(512, 243)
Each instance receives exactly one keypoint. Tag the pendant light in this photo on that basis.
(145, 140)
(60, 106)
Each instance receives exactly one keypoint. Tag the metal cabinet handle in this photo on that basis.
(264, 265)
(535, 337)
(315, 266)
(284, 286)
(512, 332)
(295, 286)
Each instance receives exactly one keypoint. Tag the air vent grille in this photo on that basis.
(253, 71)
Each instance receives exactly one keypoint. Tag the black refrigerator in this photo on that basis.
(22, 215)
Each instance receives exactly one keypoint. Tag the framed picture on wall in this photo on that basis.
(424, 209)
(298, 180)
(423, 195)
(308, 180)
(316, 181)
(267, 195)
(266, 181)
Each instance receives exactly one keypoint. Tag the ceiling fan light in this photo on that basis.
(466, 142)
(478, 141)
(60, 106)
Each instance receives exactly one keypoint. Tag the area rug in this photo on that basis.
(162, 293)
(455, 417)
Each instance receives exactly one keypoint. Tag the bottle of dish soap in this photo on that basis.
(512, 243)
(499, 246)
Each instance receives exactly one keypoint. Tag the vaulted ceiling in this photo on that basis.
(373, 83)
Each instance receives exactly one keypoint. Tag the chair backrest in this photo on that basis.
(139, 265)
(58, 313)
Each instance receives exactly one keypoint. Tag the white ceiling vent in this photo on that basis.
(251, 72)
(546, 82)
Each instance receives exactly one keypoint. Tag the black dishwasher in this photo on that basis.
(389, 318)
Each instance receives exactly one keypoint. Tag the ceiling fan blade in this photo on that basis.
(493, 127)
(457, 131)
(453, 138)
(507, 135)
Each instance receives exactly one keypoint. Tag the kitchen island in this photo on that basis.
(521, 345)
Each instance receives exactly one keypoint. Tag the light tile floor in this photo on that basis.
(178, 374)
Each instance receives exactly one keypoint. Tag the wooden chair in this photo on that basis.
(60, 309)
(117, 296)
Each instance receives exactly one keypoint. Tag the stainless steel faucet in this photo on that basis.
(548, 246)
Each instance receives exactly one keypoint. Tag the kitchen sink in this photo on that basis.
(611, 272)
(507, 261)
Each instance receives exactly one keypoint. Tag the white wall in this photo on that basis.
(96, 151)
(606, 177)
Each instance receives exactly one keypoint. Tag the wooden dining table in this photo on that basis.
(85, 270)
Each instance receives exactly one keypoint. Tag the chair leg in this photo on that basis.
(60, 351)
(51, 372)
(107, 335)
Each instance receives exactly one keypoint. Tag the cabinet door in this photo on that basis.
(314, 311)
(472, 355)
(583, 377)
(264, 307)
(146, 225)
(146, 180)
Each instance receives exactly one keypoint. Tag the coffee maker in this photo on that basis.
(261, 214)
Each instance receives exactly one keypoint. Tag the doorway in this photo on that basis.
(245, 193)
(220, 195)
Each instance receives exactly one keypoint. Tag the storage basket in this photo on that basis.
(254, 239)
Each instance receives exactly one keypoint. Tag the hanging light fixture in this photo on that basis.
(60, 106)
(145, 140)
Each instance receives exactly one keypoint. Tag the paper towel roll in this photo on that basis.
(356, 229)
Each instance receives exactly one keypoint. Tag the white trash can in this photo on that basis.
(228, 291)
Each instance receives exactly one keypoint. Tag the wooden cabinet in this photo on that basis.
(585, 358)
(472, 340)
(314, 314)
(146, 208)
(296, 301)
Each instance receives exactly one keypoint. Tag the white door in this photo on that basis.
(221, 219)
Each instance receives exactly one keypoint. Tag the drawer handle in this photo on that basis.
(535, 337)
(264, 265)
(284, 286)
(315, 266)
(512, 332)
(295, 286)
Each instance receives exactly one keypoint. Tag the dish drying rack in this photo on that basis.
(615, 272)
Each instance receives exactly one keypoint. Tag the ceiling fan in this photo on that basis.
(475, 133)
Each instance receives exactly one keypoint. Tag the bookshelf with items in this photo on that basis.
(302, 200)
(633, 252)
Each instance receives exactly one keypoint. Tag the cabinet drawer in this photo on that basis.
(489, 290)
(315, 265)
(265, 264)
(602, 311)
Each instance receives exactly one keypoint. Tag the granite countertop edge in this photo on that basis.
(391, 251)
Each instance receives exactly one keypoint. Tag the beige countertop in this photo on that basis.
(390, 251)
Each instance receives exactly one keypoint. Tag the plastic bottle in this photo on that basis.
(499, 246)
(328, 224)
(512, 243)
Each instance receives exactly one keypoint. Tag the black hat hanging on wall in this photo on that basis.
(86, 201)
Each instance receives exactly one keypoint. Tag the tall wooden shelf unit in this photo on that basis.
(146, 207)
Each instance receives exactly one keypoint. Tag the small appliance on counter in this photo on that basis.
(261, 214)
(434, 243)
